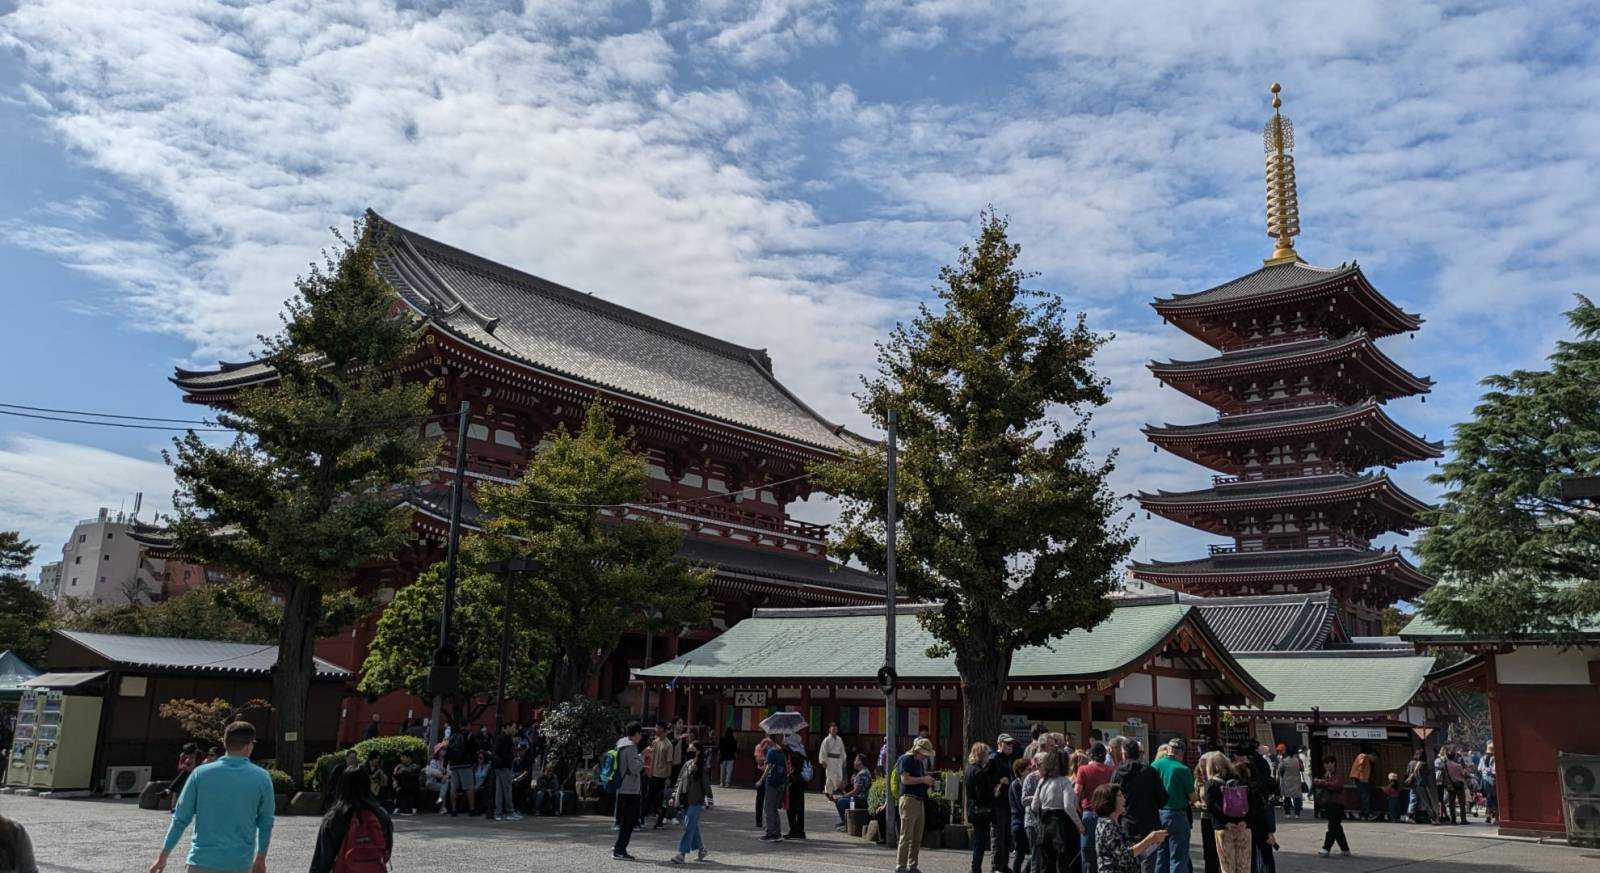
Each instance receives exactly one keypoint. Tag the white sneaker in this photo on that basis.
(515, 816)
(677, 859)
(1322, 853)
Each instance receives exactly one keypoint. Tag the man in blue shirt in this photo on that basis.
(230, 802)
(914, 781)
(774, 776)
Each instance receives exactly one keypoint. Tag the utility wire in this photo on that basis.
(132, 422)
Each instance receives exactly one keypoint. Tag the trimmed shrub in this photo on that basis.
(281, 781)
(389, 748)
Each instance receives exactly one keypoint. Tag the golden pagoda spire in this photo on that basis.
(1283, 203)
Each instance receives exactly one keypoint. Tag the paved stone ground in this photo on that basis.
(102, 836)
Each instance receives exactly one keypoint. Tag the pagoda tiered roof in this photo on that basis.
(1209, 509)
(1215, 443)
(1377, 576)
(1338, 299)
(1353, 367)
(529, 323)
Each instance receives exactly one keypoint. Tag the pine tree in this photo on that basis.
(1511, 554)
(24, 612)
(598, 577)
(1003, 517)
(307, 493)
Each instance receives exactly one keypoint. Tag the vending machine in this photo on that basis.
(19, 766)
(64, 742)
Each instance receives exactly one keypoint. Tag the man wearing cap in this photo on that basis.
(1004, 753)
(1172, 854)
(914, 781)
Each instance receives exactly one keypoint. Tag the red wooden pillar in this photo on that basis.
(1085, 715)
(939, 742)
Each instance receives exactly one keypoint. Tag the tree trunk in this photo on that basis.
(291, 676)
(984, 670)
(569, 673)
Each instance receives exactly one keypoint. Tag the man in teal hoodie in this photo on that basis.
(232, 798)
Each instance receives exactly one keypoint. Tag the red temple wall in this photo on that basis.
(1531, 723)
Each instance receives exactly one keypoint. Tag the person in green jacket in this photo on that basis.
(230, 803)
(1172, 855)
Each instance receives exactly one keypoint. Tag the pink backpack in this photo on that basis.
(1235, 800)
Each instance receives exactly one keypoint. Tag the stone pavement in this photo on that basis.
(105, 836)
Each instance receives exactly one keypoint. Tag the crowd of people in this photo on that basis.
(1040, 807)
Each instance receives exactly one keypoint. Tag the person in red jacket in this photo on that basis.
(1330, 799)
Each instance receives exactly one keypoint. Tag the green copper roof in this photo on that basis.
(845, 645)
(1339, 683)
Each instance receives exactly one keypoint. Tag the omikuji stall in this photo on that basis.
(1146, 671)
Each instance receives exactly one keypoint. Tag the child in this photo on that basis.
(407, 775)
(1396, 795)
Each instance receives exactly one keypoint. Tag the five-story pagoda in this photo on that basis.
(1299, 386)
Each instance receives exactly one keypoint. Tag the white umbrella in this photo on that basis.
(783, 723)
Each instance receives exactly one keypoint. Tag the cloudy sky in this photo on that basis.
(787, 174)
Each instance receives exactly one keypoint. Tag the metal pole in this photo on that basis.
(441, 655)
(512, 569)
(891, 815)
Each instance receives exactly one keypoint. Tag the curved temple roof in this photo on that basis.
(538, 324)
(1368, 417)
(1293, 492)
(1371, 371)
(846, 647)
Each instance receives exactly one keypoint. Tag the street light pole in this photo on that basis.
(445, 677)
(891, 816)
(510, 571)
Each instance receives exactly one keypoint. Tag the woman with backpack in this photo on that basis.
(1212, 767)
(692, 795)
(1227, 813)
(799, 777)
(356, 836)
(1060, 824)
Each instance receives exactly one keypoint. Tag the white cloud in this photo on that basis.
(1448, 146)
(47, 485)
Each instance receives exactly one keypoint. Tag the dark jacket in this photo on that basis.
(694, 785)
(1213, 798)
(504, 751)
(330, 838)
(980, 790)
(727, 747)
(1146, 795)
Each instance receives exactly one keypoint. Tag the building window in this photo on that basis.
(102, 580)
(82, 537)
(78, 559)
(74, 581)
(105, 557)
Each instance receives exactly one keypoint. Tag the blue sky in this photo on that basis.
(783, 174)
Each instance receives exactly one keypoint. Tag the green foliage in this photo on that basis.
(206, 720)
(24, 612)
(1003, 516)
(596, 578)
(401, 652)
(306, 494)
(282, 783)
(1394, 620)
(580, 728)
(878, 793)
(388, 748)
(1513, 557)
(192, 615)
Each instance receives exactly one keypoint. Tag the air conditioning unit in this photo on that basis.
(1580, 775)
(1583, 821)
(122, 781)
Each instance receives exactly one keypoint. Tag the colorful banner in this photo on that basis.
(869, 720)
(748, 718)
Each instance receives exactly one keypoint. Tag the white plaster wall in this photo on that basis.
(1135, 690)
(1542, 665)
(1172, 691)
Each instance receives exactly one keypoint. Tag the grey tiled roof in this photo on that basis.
(1277, 561)
(1323, 415)
(533, 321)
(1304, 487)
(180, 654)
(1274, 622)
(1278, 277)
